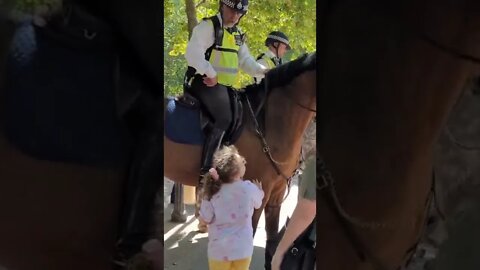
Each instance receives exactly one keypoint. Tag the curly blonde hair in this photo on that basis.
(226, 162)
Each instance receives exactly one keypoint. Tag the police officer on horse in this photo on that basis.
(277, 44)
(215, 52)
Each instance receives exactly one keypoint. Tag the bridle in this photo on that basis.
(298, 103)
(266, 92)
(326, 187)
(474, 59)
(263, 141)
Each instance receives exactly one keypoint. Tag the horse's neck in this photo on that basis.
(381, 117)
(286, 121)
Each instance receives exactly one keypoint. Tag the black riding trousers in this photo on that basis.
(216, 101)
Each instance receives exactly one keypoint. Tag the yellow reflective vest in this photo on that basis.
(269, 61)
(224, 56)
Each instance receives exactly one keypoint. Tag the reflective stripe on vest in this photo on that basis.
(269, 61)
(224, 59)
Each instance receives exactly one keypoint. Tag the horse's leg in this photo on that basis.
(152, 259)
(182, 170)
(143, 179)
(272, 218)
(258, 212)
(202, 226)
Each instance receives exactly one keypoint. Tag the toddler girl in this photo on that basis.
(227, 208)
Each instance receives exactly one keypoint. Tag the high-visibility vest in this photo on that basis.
(223, 55)
(270, 61)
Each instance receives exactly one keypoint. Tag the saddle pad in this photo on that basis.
(182, 124)
(60, 102)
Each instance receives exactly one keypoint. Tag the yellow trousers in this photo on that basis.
(241, 264)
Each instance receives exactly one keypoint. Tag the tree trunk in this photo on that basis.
(191, 16)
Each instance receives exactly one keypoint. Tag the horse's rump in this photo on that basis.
(182, 124)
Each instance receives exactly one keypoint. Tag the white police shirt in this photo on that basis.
(202, 39)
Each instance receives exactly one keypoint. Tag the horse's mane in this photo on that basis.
(284, 74)
(279, 76)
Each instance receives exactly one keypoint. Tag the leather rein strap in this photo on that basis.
(347, 222)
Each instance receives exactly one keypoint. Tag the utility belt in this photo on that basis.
(188, 78)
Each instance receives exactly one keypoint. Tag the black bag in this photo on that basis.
(301, 255)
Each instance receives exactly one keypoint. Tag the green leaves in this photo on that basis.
(178, 49)
(29, 6)
(297, 19)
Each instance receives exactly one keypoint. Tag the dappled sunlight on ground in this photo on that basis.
(186, 249)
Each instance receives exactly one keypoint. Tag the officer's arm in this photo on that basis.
(264, 63)
(248, 64)
(202, 38)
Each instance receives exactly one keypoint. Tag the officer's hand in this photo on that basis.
(210, 82)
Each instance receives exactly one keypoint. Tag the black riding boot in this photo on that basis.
(144, 182)
(144, 174)
(212, 143)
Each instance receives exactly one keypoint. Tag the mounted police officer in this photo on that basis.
(277, 44)
(214, 54)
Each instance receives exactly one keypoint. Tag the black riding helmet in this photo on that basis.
(240, 6)
(277, 36)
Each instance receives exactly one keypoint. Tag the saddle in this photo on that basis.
(206, 122)
(60, 98)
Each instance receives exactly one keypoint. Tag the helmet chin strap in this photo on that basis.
(221, 13)
(276, 49)
(240, 18)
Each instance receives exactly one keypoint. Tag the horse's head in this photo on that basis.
(288, 97)
(295, 81)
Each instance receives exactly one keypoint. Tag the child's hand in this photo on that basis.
(257, 183)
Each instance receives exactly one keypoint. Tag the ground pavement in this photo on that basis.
(186, 249)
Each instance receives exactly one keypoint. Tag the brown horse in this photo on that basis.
(457, 159)
(289, 109)
(58, 210)
(391, 73)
